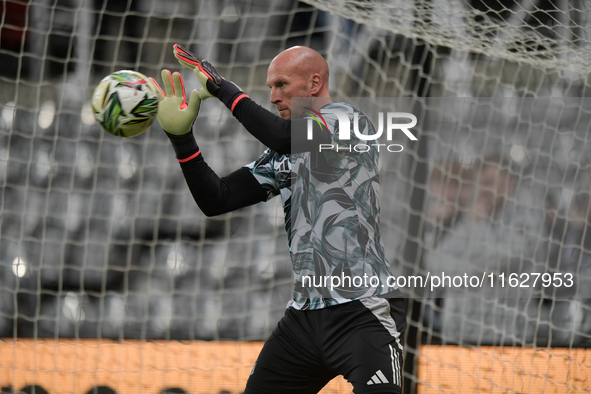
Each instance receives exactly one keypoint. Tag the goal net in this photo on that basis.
(112, 279)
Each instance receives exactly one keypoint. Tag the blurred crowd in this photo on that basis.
(486, 218)
(99, 237)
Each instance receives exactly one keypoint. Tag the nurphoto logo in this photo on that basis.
(344, 133)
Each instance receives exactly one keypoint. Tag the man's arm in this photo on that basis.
(281, 135)
(214, 195)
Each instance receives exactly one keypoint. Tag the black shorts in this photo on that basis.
(361, 340)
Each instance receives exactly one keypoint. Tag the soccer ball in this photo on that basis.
(124, 104)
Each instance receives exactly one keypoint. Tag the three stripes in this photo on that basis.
(379, 376)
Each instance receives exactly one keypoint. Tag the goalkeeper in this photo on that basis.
(331, 214)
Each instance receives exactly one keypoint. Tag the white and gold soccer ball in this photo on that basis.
(124, 104)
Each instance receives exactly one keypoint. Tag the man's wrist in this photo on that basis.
(185, 146)
(230, 94)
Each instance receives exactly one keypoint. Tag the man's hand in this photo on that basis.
(207, 75)
(214, 85)
(174, 114)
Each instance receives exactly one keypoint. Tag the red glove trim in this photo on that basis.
(191, 60)
(184, 103)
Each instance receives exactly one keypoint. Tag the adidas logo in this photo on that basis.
(377, 378)
(284, 166)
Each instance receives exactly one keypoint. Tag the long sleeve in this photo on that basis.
(281, 135)
(215, 195)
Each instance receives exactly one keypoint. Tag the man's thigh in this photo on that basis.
(361, 340)
(290, 361)
(367, 350)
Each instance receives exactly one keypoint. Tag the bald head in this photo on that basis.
(302, 60)
(297, 72)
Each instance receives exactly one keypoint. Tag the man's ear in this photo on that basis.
(315, 84)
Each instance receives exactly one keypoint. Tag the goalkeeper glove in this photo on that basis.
(174, 115)
(214, 85)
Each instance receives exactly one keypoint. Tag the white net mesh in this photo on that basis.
(536, 32)
(100, 237)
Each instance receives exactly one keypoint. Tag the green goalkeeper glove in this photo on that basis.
(214, 85)
(174, 114)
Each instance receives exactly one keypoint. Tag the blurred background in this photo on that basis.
(100, 237)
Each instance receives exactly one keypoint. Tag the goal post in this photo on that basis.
(103, 247)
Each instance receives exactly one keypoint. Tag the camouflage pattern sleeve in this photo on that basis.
(264, 171)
